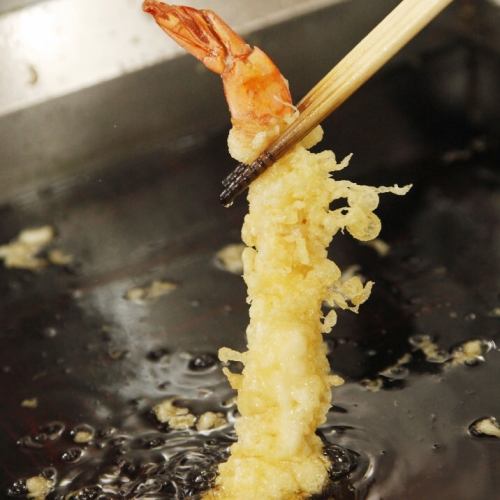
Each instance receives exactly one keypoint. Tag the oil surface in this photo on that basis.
(97, 363)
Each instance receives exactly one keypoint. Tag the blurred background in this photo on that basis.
(115, 139)
(115, 65)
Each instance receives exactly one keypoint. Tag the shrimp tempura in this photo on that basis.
(284, 391)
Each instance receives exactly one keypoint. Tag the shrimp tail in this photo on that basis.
(201, 32)
(257, 93)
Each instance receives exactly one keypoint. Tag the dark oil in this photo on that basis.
(398, 428)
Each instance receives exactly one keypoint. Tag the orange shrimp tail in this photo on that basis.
(201, 32)
(257, 94)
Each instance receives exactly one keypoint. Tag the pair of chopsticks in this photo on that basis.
(380, 45)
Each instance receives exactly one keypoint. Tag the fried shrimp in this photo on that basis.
(284, 390)
(257, 93)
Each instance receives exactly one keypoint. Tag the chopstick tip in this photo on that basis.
(241, 177)
(228, 196)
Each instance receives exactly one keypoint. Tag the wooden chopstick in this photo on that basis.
(365, 59)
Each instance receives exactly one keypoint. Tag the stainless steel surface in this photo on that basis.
(59, 46)
(8, 5)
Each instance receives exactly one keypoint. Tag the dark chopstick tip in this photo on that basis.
(226, 198)
(237, 172)
(241, 177)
